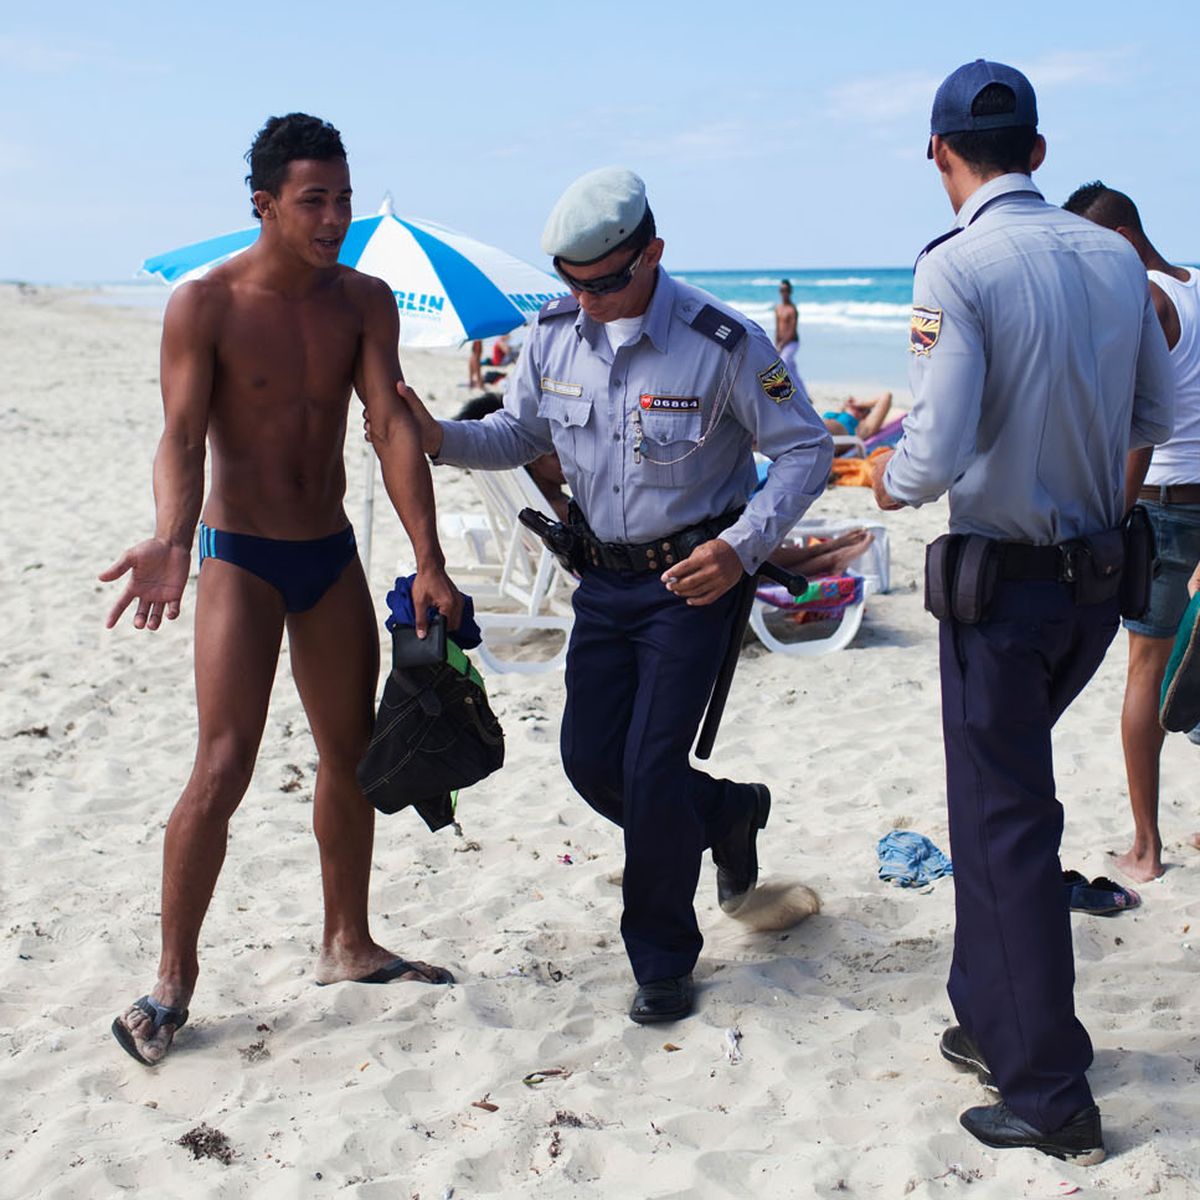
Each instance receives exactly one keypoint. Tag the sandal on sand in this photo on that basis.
(160, 1015)
(401, 966)
(1102, 897)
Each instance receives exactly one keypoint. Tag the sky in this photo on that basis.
(770, 135)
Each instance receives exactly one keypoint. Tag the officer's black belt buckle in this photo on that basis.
(656, 555)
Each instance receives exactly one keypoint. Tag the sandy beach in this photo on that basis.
(830, 1084)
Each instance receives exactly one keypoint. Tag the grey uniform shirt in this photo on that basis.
(1038, 363)
(658, 436)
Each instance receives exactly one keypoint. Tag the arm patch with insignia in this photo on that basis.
(924, 329)
(776, 383)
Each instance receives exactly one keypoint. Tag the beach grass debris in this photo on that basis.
(536, 1077)
(256, 1051)
(206, 1142)
(565, 1119)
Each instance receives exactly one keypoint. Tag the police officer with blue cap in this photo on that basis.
(652, 394)
(1037, 364)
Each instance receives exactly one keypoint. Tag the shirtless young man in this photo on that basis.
(259, 357)
(787, 333)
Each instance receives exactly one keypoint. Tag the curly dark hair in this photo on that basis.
(281, 141)
(1104, 205)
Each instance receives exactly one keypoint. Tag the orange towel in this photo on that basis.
(854, 472)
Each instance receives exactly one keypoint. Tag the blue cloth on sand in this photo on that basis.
(399, 602)
(911, 859)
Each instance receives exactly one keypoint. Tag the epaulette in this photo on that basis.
(719, 326)
(560, 306)
(937, 241)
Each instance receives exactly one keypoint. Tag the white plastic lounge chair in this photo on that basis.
(770, 622)
(518, 586)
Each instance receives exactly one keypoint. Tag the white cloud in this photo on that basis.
(878, 98)
(901, 95)
(1078, 66)
(37, 55)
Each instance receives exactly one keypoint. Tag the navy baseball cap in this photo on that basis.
(952, 104)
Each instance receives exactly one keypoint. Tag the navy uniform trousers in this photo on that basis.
(1005, 682)
(640, 668)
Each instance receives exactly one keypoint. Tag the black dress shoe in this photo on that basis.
(736, 854)
(662, 1000)
(958, 1047)
(1079, 1141)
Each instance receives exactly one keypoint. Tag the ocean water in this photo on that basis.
(853, 323)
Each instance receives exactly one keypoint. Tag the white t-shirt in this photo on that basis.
(624, 330)
(1178, 460)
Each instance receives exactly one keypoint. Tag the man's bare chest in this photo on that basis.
(296, 350)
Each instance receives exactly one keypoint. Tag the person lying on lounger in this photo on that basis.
(859, 418)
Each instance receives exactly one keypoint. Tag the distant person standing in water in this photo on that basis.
(787, 328)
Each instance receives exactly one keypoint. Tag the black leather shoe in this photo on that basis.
(958, 1047)
(662, 1000)
(1080, 1141)
(736, 854)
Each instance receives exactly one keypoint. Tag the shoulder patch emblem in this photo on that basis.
(776, 383)
(925, 329)
(713, 323)
(560, 306)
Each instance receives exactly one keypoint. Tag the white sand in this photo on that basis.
(368, 1091)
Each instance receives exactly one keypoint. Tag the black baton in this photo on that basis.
(796, 585)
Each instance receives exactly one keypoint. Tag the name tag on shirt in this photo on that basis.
(670, 404)
(558, 388)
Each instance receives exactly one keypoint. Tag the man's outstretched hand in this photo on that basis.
(434, 589)
(159, 573)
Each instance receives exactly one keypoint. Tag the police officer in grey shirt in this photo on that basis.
(652, 393)
(1037, 364)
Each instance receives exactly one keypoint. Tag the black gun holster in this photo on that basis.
(961, 571)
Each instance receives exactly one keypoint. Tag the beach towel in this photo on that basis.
(910, 859)
(853, 472)
(825, 598)
(1179, 705)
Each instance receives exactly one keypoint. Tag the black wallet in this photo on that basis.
(410, 651)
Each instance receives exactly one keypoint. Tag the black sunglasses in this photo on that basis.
(602, 285)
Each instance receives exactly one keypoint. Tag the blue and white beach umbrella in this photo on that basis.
(449, 288)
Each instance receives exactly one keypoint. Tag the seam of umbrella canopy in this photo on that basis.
(491, 311)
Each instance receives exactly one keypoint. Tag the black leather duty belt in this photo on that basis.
(657, 555)
(1019, 560)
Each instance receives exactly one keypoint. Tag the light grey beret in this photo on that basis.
(598, 212)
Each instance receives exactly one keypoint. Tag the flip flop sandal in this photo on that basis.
(160, 1015)
(1103, 898)
(393, 971)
